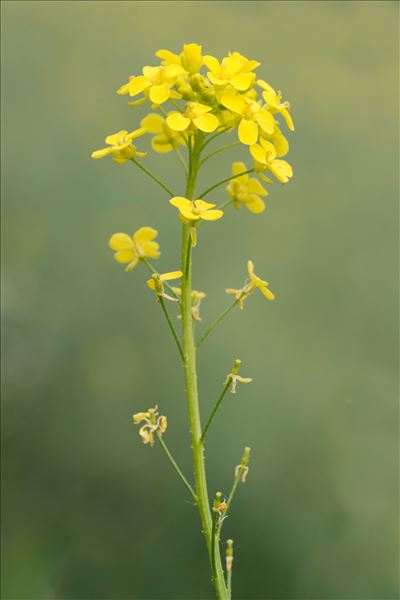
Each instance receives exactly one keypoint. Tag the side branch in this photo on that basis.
(150, 174)
(215, 322)
(176, 468)
(171, 326)
(216, 407)
(224, 181)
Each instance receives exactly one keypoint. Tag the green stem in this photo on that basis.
(179, 155)
(224, 204)
(215, 323)
(150, 174)
(213, 137)
(171, 326)
(214, 545)
(206, 158)
(175, 466)
(221, 397)
(210, 189)
(191, 379)
(176, 105)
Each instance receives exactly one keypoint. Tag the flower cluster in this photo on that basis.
(153, 423)
(195, 92)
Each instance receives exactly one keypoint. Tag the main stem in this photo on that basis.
(189, 352)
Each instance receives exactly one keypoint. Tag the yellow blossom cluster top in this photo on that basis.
(191, 91)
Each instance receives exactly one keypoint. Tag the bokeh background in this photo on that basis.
(89, 512)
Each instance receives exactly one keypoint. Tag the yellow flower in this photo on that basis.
(132, 249)
(196, 299)
(197, 115)
(254, 117)
(157, 283)
(190, 58)
(121, 146)
(156, 81)
(246, 190)
(250, 285)
(273, 99)
(279, 141)
(229, 71)
(265, 158)
(193, 210)
(153, 423)
(165, 138)
(246, 64)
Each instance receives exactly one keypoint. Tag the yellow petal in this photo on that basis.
(243, 379)
(145, 234)
(212, 215)
(159, 93)
(140, 416)
(256, 205)
(237, 168)
(175, 70)
(197, 109)
(266, 121)
(267, 293)
(163, 424)
(177, 121)
(188, 214)
(101, 153)
(168, 58)
(121, 241)
(248, 132)
(171, 275)
(125, 256)
(201, 205)
(250, 268)
(288, 119)
(191, 58)
(269, 148)
(151, 284)
(181, 202)
(136, 133)
(258, 154)
(151, 72)
(151, 249)
(193, 236)
(233, 102)
(216, 80)
(153, 123)
(138, 84)
(242, 81)
(132, 265)
(211, 62)
(146, 435)
(161, 144)
(281, 169)
(124, 89)
(137, 102)
(116, 139)
(207, 123)
(255, 187)
(281, 144)
(265, 86)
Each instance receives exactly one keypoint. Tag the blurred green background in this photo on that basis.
(89, 512)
